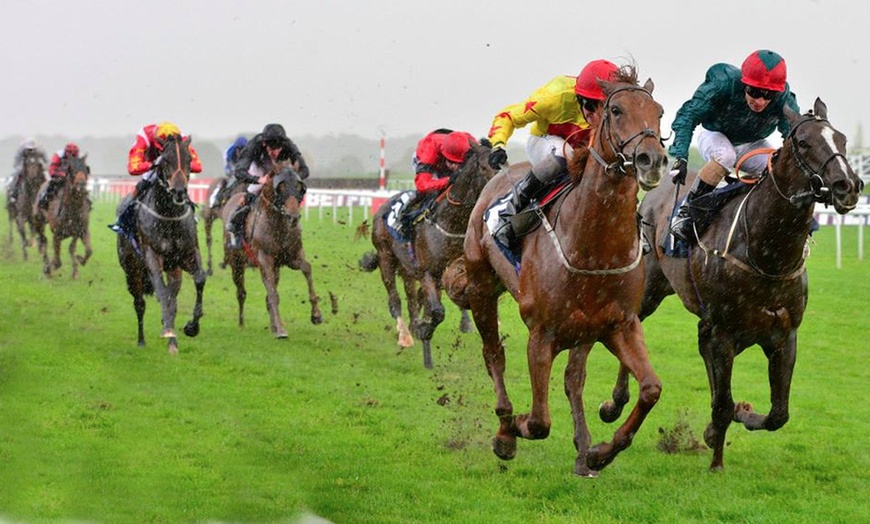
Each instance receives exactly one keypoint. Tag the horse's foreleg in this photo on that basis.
(465, 324)
(139, 306)
(56, 240)
(541, 352)
(780, 368)
(718, 354)
(74, 262)
(86, 242)
(611, 410)
(575, 380)
(191, 329)
(271, 277)
(237, 264)
(434, 316)
(628, 346)
(303, 266)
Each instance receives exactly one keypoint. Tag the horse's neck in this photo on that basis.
(776, 230)
(601, 208)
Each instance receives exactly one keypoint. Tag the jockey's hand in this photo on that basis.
(497, 158)
(263, 179)
(678, 171)
(485, 142)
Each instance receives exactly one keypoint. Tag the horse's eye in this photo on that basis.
(803, 144)
(615, 111)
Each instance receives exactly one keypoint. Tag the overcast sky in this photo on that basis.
(327, 67)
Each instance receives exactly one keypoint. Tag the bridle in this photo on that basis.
(163, 178)
(818, 191)
(622, 162)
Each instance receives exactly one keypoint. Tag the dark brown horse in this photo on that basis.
(438, 239)
(166, 243)
(21, 211)
(581, 278)
(274, 239)
(68, 216)
(745, 278)
(211, 211)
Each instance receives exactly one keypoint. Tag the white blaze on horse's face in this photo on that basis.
(828, 135)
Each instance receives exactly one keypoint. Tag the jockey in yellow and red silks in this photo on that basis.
(562, 113)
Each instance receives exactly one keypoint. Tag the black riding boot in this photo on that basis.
(523, 192)
(682, 224)
(48, 194)
(236, 223)
(13, 189)
(127, 216)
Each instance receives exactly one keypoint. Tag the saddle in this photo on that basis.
(404, 213)
(703, 210)
(529, 219)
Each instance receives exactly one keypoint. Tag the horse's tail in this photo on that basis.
(369, 261)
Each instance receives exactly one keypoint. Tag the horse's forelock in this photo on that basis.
(626, 74)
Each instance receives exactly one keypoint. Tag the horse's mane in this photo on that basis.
(626, 74)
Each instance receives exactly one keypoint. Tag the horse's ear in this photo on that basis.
(820, 109)
(649, 85)
(186, 140)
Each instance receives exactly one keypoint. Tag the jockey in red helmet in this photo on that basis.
(57, 172)
(738, 109)
(562, 113)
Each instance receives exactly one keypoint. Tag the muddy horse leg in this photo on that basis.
(56, 240)
(779, 374)
(465, 324)
(575, 380)
(434, 314)
(536, 424)
(74, 262)
(191, 329)
(207, 223)
(86, 242)
(238, 264)
(628, 346)
(166, 293)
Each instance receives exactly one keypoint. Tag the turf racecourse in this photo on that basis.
(337, 422)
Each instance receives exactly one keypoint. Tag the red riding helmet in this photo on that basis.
(71, 150)
(456, 146)
(764, 69)
(587, 86)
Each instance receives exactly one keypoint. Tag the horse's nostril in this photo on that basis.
(643, 160)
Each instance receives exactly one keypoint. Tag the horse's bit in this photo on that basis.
(622, 162)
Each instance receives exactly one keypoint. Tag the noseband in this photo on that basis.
(622, 162)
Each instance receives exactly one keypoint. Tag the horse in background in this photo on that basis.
(211, 211)
(21, 211)
(68, 216)
(581, 277)
(165, 242)
(273, 236)
(745, 278)
(437, 240)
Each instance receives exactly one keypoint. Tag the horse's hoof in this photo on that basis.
(141, 343)
(173, 346)
(281, 334)
(609, 412)
(191, 329)
(597, 459)
(504, 448)
(466, 326)
(316, 319)
(581, 469)
(406, 341)
(168, 333)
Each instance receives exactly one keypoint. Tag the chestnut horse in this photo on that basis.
(437, 240)
(166, 242)
(21, 211)
(274, 239)
(745, 277)
(68, 215)
(581, 278)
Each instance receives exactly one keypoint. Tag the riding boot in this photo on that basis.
(127, 215)
(522, 195)
(13, 189)
(50, 190)
(711, 173)
(236, 223)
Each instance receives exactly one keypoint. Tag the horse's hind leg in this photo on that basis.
(237, 264)
(270, 276)
(628, 346)
(387, 268)
(484, 309)
(779, 372)
(575, 380)
(207, 223)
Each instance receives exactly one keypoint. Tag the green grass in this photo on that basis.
(336, 421)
